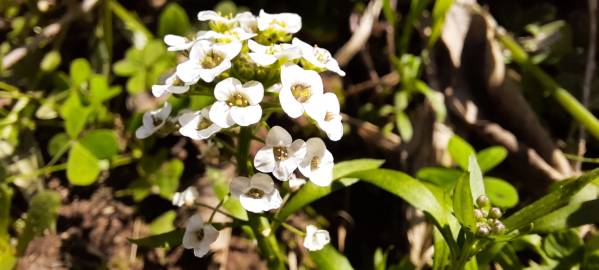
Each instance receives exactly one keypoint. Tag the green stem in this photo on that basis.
(294, 230)
(216, 208)
(561, 95)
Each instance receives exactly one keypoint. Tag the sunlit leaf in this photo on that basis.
(570, 216)
(173, 20)
(501, 193)
(490, 157)
(163, 223)
(477, 186)
(463, 203)
(166, 240)
(57, 143)
(102, 143)
(442, 177)
(50, 61)
(560, 245)
(329, 258)
(74, 115)
(82, 167)
(80, 71)
(460, 150)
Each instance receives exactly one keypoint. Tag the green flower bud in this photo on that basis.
(495, 213)
(483, 201)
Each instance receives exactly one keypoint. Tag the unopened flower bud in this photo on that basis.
(479, 214)
(498, 227)
(495, 213)
(483, 201)
(483, 229)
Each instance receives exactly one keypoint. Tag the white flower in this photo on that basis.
(208, 60)
(172, 84)
(153, 121)
(186, 197)
(197, 125)
(319, 57)
(279, 155)
(317, 164)
(234, 34)
(287, 22)
(295, 182)
(301, 91)
(247, 21)
(316, 239)
(330, 122)
(211, 15)
(236, 103)
(267, 55)
(177, 43)
(257, 194)
(198, 236)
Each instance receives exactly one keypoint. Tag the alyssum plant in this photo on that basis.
(235, 61)
(252, 67)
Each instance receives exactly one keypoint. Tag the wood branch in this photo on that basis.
(388, 80)
(373, 134)
(362, 33)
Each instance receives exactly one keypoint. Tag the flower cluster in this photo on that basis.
(248, 63)
(487, 218)
(237, 58)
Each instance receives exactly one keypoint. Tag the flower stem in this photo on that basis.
(561, 95)
(294, 230)
(217, 207)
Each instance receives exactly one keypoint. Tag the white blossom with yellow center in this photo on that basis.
(153, 121)
(286, 22)
(267, 55)
(207, 60)
(301, 91)
(172, 84)
(318, 163)
(257, 194)
(330, 121)
(236, 103)
(186, 197)
(319, 57)
(178, 43)
(316, 239)
(198, 236)
(197, 125)
(280, 155)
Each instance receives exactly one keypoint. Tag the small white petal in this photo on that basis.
(262, 59)
(278, 136)
(239, 185)
(264, 160)
(263, 182)
(284, 169)
(220, 114)
(254, 205)
(316, 239)
(143, 132)
(289, 104)
(245, 116)
(188, 71)
(210, 15)
(254, 91)
(225, 88)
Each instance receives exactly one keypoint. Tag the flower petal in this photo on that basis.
(263, 182)
(264, 160)
(220, 114)
(289, 104)
(225, 88)
(239, 185)
(285, 168)
(245, 116)
(262, 59)
(254, 91)
(278, 136)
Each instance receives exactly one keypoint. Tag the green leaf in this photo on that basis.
(82, 167)
(380, 259)
(442, 177)
(50, 61)
(501, 193)
(41, 215)
(329, 258)
(560, 245)
(200, 102)
(100, 90)
(126, 67)
(549, 203)
(463, 203)
(163, 223)
(441, 257)
(404, 126)
(477, 186)
(435, 99)
(220, 185)
(569, 216)
(490, 157)
(460, 151)
(74, 115)
(102, 143)
(407, 188)
(152, 51)
(165, 240)
(173, 20)
(57, 143)
(137, 83)
(167, 178)
(80, 71)
(5, 204)
(7, 255)
(310, 192)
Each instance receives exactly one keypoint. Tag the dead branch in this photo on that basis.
(361, 35)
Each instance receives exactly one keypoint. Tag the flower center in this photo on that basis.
(301, 92)
(278, 23)
(255, 193)
(156, 121)
(321, 55)
(178, 82)
(200, 234)
(314, 163)
(204, 123)
(212, 59)
(280, 153)
(238, 100)
(329, 116)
